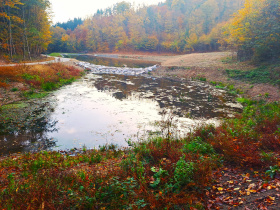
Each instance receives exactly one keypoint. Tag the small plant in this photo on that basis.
(203, 79)
(213, 83)
(227, 60)
(11, 179)
(48, 86)
(266, 95)
(268, 157)
(198, 146)
(14, 89)
(159, 173)
(28, 93)
(272, 171)
(184, 172)
(245, 101)
(97, 158)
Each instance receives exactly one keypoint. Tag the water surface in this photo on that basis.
(105, 109)
(112, 61)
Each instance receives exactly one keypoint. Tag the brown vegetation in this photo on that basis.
(15, 80)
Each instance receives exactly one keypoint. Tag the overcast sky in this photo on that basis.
(64, 10)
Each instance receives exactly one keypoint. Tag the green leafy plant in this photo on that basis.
(198, 146)
(184, 172)
(272, 171)
(14, 89)
(159, 173)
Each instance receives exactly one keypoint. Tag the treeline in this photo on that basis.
(70, 24)
(250, 27)
(172, 26)
(25, 28)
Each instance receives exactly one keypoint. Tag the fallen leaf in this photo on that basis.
(269, 187)
(251, 186)
(265, 185)
(271, 198)
(227, 198)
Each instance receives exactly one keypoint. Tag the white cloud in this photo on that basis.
(64, 10)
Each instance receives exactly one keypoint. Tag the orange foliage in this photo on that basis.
(36, 75)
(10, 74)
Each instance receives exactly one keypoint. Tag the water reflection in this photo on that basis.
(117, 62)
(104, 109)
(101, 109)
(27, 131)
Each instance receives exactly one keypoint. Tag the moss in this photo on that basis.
(14, 106)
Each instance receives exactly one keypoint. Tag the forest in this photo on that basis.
(248, 27)
(25, 28)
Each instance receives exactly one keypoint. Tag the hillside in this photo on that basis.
(171, 26)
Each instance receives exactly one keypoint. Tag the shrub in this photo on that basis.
(48, 86)
(198, 146)
(184, 172)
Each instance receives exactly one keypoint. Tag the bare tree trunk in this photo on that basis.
(10, 34)
(25, 34)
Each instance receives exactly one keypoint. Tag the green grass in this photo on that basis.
(14, 106)
(263, 74)
(55, 54)
(33, 95)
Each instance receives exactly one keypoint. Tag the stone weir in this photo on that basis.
(98, 69)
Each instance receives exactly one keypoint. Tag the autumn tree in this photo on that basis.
(255, 30)
(174, 25)
(24, 28)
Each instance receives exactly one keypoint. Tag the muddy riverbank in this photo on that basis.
(213, 67)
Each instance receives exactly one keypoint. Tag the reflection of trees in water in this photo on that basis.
(185, 98)
(117, 62)
(30, 137)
